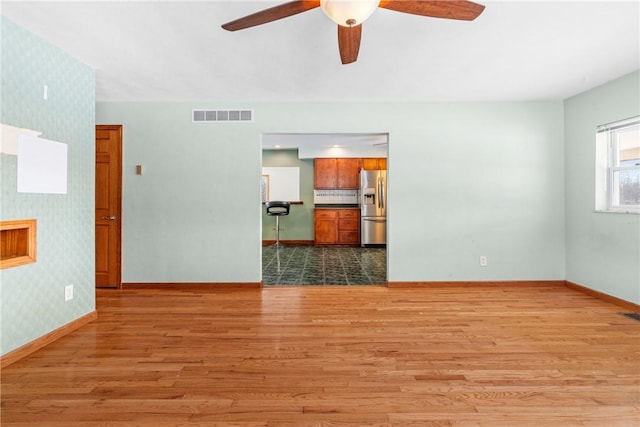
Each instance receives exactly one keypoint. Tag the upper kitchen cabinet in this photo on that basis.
(330, 174)
(325, 174)
(372, 164)
(349, 173)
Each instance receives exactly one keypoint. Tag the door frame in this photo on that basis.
(328, 135)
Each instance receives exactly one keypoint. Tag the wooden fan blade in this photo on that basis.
(272, 14)
(349, 43)
(449, 9)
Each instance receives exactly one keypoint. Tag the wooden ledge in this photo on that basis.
(603, 297)
(192, 286)
(628, 305)
(462, 284)
(18, 242)
(289, 242)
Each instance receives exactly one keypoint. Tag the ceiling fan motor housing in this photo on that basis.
(349, 13)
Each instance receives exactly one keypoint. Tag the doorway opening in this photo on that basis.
(305, 255)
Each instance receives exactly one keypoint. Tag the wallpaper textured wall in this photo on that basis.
(32, 296)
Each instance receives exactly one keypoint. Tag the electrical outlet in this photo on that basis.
(483, 260)
(68, 292)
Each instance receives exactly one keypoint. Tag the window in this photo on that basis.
(618, 166)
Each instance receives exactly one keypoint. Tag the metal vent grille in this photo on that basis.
(201, 116)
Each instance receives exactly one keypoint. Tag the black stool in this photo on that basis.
(277, 209)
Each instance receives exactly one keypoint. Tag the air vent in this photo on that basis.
(201, 116)
(635, 316)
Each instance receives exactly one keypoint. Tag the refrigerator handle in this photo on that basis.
(380, 192)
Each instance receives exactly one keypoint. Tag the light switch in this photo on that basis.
(138, 169)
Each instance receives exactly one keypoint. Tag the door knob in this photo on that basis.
(110, 218)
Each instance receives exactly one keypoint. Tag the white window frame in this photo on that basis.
(607, 168)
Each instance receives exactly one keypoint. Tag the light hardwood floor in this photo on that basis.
(336, 356)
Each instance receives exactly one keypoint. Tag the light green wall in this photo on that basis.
(464, 180)
(32, 296)
(194, 215)
(476, 179)
(298, 225)
(603, 249)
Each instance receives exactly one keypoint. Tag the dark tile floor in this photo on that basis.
(310, 265)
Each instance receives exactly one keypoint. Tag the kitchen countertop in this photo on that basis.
(341, 206)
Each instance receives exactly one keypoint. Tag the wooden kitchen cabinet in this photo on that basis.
(325, 174)
(325, 224)
(337, 226)
(332, 174)
(374, 164)
(349, 173)
(348, 226)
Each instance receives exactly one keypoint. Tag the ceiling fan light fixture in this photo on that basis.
(349, 13)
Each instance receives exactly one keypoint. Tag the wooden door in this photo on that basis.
(108, 207)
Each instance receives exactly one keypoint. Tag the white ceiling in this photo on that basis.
(516, 50)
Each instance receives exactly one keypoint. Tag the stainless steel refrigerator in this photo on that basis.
(372, 199)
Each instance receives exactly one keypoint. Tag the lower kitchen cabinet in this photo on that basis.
(325, 224)
(337, 226)
(348, 226)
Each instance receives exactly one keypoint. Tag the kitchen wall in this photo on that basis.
(32, 296)
(298, 225)
(603, 249)
(465, 179)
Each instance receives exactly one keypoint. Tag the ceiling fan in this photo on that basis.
(350, 14)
